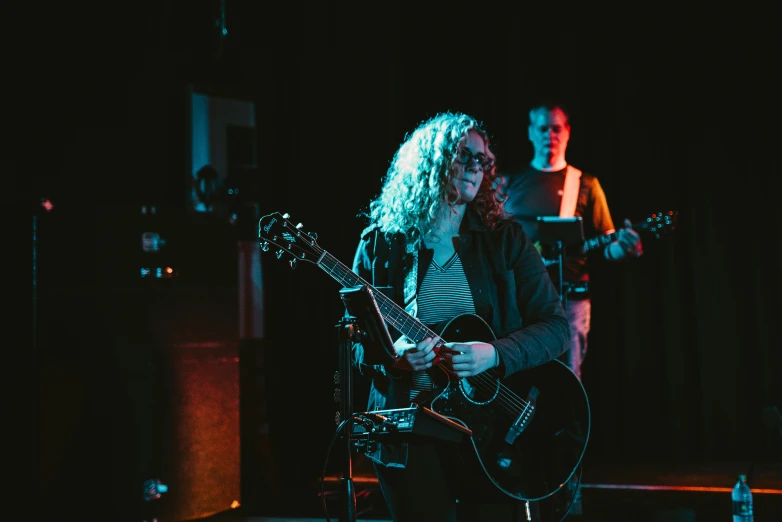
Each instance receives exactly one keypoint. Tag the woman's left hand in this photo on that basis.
(468, 359)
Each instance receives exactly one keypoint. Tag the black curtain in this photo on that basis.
(684, 353)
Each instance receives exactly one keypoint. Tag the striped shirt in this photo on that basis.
(444, 294)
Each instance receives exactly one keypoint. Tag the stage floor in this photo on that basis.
(649, 492)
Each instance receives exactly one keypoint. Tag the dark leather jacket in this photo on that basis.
(511, 291)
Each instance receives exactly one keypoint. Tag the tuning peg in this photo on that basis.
(280, 252)
(286, 215)
(292, 262)
(299, 226)
(313, 235)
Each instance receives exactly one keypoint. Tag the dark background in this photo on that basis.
(670, 110)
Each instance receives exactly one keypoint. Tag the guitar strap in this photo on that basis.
(389, 259)
(411, 282)
(392, 257)
(567, 207)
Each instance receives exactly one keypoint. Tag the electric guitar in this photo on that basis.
(656, 225)
(529, 430)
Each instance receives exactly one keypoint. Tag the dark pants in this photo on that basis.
(430, 485)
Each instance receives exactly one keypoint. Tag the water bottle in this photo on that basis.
(742, 501)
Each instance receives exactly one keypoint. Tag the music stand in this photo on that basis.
(360, 303)
(560, 232)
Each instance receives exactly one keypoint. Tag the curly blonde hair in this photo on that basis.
(418, 182)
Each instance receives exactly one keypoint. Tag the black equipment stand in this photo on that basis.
(362, 323)
(560, 232)
(348, 334)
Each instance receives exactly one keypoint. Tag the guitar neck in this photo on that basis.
(394, 314)
(607, 239)
(599, 241)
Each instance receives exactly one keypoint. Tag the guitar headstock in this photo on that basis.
(277, 230)
(659, 223)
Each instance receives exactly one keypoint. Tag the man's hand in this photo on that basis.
(628, 243)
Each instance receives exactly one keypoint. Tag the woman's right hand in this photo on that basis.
(415, 357)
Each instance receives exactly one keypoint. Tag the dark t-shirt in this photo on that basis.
(532, 193)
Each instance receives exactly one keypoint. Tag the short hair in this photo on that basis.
(549, 103)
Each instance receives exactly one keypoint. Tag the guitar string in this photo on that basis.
(656, 222)
(508, 397)
(385, 303)
(509, 400)
(512, 402)
(505, 398)
(486, 383)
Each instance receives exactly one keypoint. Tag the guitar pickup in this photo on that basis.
(520, 424)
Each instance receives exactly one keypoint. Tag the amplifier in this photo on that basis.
(408, 422)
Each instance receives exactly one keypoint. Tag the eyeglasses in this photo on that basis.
(465, 157)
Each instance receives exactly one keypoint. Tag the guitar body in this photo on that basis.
(529, 430)
(545, 454)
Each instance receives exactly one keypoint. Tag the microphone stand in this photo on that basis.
(362, 322)
(561, 284)
(348, 334)
(559, 231)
